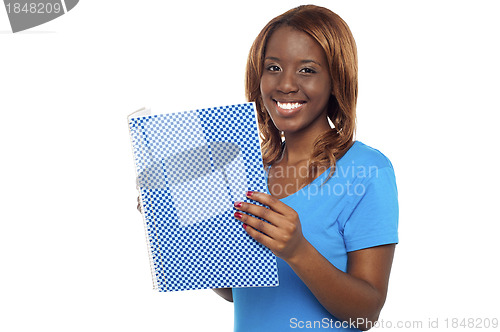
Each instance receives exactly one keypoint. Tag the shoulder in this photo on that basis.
(365, 155)
(363, 163)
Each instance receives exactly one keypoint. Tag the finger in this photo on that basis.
(262, 238)
(260, 211)
(139, 207)
(266, 199)
(268, 229)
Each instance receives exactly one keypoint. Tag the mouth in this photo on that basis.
(288, 108)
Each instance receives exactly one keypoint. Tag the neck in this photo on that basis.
(298, 148)
(300, 144)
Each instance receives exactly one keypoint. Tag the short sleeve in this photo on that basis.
(374, 218)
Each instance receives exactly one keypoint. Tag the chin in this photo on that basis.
(288, 129)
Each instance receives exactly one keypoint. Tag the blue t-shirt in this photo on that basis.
(357, 208)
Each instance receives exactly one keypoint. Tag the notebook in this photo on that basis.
(191, 167)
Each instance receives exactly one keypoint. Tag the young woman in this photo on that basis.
(332, 208)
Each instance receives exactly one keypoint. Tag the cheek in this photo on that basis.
(266, 89)
(319, 90)
(265, 86)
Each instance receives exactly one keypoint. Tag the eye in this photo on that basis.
(307, 71)
(273, 68)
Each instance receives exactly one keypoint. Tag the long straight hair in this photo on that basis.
(336, 40)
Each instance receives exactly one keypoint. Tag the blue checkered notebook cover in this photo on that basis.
(191, 167)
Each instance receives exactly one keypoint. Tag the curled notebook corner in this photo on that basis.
(139, 113)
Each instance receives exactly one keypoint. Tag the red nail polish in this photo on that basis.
(237, 204)
(249, 193)
(238, 215)
(245, 226)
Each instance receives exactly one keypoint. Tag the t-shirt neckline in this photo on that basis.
(320, 177)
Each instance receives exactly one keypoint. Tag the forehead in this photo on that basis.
(287, 43)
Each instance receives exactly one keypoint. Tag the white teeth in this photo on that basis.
(288, 106)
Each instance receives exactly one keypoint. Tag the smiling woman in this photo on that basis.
(335, 247)
(327, 57)
(295, 84)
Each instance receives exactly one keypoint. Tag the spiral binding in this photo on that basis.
(137, 145)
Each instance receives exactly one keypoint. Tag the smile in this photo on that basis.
(288, 109)
(289, 106)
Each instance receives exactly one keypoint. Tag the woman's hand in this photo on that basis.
(282, 234)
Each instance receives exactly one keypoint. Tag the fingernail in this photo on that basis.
(245, 226)
(249, 193)
(237, 204)
(238, 215)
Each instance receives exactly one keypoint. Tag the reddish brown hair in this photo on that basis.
(335, 38)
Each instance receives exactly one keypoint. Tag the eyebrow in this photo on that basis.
(302, 61)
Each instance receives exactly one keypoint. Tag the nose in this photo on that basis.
(287, 82)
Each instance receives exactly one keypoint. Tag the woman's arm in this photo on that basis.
(357, 295)
(225, 293)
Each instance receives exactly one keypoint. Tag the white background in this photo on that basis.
(72, 247)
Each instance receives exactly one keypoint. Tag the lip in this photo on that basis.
(288, 112)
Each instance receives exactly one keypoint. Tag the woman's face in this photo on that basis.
(295, 84)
